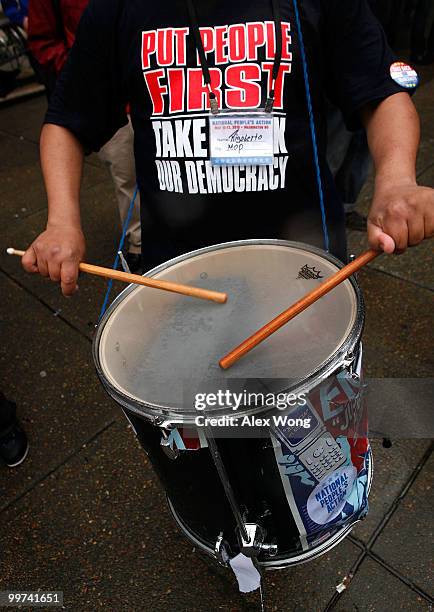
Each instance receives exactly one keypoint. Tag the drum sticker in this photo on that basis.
(309, 273)
(324, 471)
(327, 501)
(404, 75)
(186, 440)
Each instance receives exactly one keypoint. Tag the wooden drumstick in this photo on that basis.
(285, 316)
(125, 277)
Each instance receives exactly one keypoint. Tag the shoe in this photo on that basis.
(14, 446)
(134, 261)
(356, 221)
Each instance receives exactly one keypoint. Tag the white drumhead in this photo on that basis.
(153, 346)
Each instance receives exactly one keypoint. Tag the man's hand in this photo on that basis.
(402, 215)
(57, 253)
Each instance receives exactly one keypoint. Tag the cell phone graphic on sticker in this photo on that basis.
(315, 448)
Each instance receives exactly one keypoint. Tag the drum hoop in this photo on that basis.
(168, 417)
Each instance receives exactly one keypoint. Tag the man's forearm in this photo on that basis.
(62, 165)
(402, 213)
(393, 135)
(59, 249)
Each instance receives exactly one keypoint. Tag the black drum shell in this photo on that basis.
(196, 494)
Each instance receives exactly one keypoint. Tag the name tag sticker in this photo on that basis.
(241, 139)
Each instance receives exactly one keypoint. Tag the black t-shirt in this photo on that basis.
(143, 54)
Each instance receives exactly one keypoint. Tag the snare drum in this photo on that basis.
(298, 491)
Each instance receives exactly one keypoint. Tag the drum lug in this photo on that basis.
(168, 448)
(255, 543)
(222, 550)
(348, 362)
(270, 550)
(124, 264)
(158, 421)
(351, 258)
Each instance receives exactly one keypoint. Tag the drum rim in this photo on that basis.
(164, 416)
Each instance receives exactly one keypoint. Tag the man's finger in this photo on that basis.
(379, 240)
(54, 271)
(68, 277)
(398, 230)
(28, 261)
(41, 262)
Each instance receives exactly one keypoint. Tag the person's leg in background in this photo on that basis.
(352, 175)
(13, 440)
(418, 41)
(118, 155)
(429, 55)
(349, 161)
(422, 46)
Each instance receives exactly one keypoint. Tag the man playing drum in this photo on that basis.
(228, 107)
(175, 61)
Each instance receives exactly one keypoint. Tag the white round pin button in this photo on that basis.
(404, 75)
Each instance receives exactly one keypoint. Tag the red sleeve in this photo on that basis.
(46, 43)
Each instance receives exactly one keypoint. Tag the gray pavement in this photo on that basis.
(85, 513)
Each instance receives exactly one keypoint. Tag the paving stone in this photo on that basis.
(423, 101)
(424, 156)
(100, 530)
(427, 176)
(24, 119)
(21, 168)
(374, 589)
(21, 153)
(18, 201)
(415, 265)
(100, 218)
(83, 309)
(400, 408)
(398, 335)
(411, 529)
(309, 587)
(46, 368)
(392, 470)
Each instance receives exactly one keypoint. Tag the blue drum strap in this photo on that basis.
(120, 247)
(312, 126)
